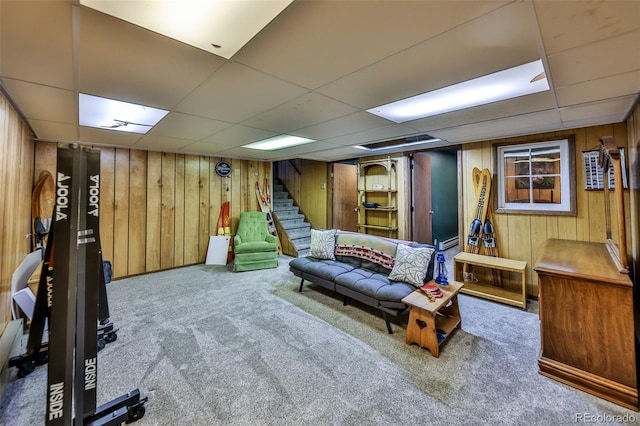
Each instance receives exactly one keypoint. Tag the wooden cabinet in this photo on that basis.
(378, 184)
(586, 321)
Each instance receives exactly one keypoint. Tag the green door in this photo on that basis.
(435, 196)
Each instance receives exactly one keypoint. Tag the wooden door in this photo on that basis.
(344, 197)
(422, 211)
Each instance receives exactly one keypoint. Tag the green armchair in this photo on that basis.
(254, 247)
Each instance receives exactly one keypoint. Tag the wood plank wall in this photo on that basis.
(303, 180)
(521, 236)
(158, 209)
(633, 130)
(16, 171)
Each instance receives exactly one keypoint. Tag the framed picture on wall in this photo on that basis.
(594, 175)
(537, 178)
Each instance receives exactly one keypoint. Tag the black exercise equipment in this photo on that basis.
(72, 294)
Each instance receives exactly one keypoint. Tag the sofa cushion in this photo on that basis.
(323, 244)
(362, 281)
(356, 262)
(394, 292)
(411, 264)
(323, 268)
(378, 250)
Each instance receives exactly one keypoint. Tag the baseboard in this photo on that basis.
(10, 342)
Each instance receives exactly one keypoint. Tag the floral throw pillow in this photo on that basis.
(411, 264)
(323, 244)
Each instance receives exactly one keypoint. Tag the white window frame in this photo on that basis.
(567, 179)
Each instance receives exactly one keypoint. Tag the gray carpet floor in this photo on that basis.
(211, 347)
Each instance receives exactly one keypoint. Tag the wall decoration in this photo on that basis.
(223, 168)
(593, 173)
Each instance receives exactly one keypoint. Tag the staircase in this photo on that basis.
(291, 221)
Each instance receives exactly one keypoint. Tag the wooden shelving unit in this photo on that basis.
(377, 183)
(488, 291)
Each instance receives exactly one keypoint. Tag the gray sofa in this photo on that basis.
(363, 267)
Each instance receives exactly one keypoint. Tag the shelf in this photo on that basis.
(383, 228)
(378, 209)
(377, 183)
(497, 294)
(446, 323)
(488, 291)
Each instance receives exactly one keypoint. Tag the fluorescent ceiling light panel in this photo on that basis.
(278, 142)
(511, 83)
(221, 27)
(104, 113)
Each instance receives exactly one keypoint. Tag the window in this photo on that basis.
(537, 178)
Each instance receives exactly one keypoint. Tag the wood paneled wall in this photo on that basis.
(304, 179)
(521, 236)
(16, 171)
(633, 130)
(158, 209)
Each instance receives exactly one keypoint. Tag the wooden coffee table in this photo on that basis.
(431, 322)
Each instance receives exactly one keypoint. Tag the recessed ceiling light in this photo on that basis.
(110, 114)
(278, 142)
(510, 83)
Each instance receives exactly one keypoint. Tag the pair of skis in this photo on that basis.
(224, 227)
(482, 225)
(264, 201)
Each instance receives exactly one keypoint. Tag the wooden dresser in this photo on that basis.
(586, 321)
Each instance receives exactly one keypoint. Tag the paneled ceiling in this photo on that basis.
(317, 67)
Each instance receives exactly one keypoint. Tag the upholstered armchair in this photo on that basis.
(254, 247)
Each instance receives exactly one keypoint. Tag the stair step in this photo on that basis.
(280, 195)
(290, 224)
(289, 218)
(299, 233)
(303, 242)
(282, 203)
(303, 253)
(278, 188)
(287, 212)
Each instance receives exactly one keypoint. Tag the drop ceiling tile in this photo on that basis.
(389, 132)
(40, 102)
(618, 107)
(602, 88)
(496, 41)
(183, 126)
(568, 24)
(307, 110)
(505, 127)
(236, 93)
(54, 131)
(92, 135)
(336, 154)
(236, 136)
(315, 42)
(156, 142)
(31, 47)
(246, 153)
(340, 126)
(121, 61)
(594, 60)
